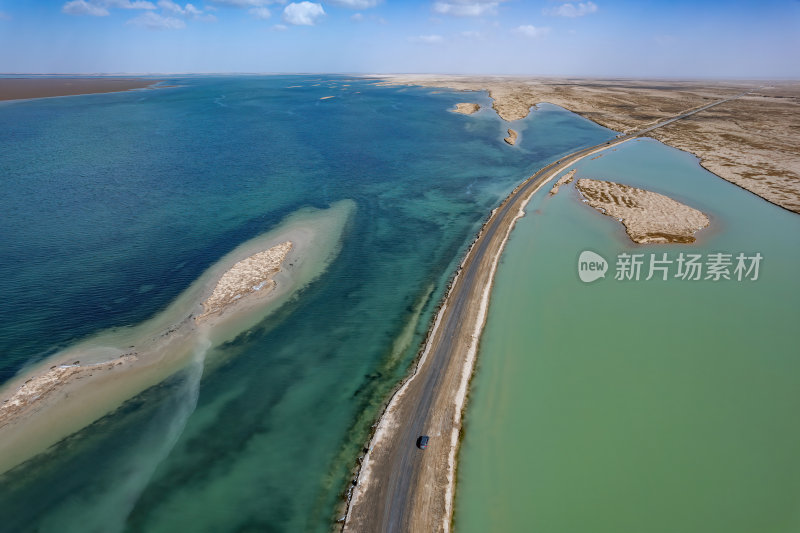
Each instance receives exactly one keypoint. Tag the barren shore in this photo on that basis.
(750, 141)
(82, 383)
(25, 88)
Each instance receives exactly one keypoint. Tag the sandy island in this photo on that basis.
(648, 217)
(80, 384)
(25, 88)
(466, 108)
(512, 137)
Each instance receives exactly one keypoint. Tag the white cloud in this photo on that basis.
(154, 21)
(280, 27)
(303, 13)
(466, 8)
(245, 3)
(81, 7)
(188, 11)
(127, 4)
(572, 10)
(358, 17)
(99, 8)
(355, 4)
(426, 39)
(473, 35)
(260, 12)
(532, 31)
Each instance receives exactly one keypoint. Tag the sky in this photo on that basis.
(626, 38)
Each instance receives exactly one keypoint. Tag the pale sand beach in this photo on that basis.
(25, 88)
(648, 217)
(466, 108)
(750, 141)
(80, 384)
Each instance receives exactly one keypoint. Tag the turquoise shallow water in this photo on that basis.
(655, 406)
(113, 204)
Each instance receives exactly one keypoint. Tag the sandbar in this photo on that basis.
(252, 274)
(76, 386)
(648, 217)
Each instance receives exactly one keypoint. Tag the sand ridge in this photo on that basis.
(648, 217)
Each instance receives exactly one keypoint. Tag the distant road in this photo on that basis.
(402, 488)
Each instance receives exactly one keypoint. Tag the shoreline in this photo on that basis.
(163, 344)
(26, 88)
(751, 137)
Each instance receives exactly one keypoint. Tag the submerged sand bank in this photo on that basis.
(648, 217)
(25, 88)
(80, 384)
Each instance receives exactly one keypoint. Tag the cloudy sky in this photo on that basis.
(673, 38)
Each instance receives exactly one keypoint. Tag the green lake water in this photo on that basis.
(637, 406)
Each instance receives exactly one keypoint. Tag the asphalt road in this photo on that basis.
(406, 485)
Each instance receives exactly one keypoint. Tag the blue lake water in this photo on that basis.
(113, 204)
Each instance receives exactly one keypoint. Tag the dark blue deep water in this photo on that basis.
(112, 204)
